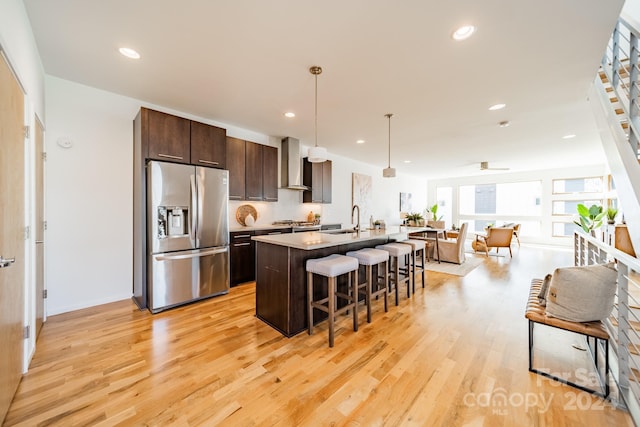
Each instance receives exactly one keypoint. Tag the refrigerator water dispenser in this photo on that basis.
(172, 221)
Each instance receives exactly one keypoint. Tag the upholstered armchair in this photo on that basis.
(453, 250)
(516, 230)
(497, 237)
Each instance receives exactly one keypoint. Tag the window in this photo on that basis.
(511, 199)
(496, 204)
(564, 229)
(578, 185)
(570, 207)
(519, 198)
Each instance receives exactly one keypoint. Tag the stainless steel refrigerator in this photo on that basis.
(187, 234)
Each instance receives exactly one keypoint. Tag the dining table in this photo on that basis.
(432, 233)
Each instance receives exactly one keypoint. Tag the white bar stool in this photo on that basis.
(398, 275)
(331, 267)
(418, 249)
(368, 257)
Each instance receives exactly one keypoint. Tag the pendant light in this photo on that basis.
(317, 154)
(389, 172)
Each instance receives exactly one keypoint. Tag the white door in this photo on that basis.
(11, 234)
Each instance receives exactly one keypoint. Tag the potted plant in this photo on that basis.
(434, 212)
(611, 215)
(414, 219)
(376, 224)
(590, 218)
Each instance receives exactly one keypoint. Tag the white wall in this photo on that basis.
(17, 40)
(89, 194)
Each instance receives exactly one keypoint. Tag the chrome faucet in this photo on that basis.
(353, 209)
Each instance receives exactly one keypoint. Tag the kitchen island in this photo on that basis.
(281, 291)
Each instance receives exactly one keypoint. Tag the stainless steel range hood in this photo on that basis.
(291, 165)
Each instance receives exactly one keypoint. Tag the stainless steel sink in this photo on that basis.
(341, 231)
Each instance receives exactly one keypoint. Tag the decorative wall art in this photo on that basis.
(405, 202)
(361, 196)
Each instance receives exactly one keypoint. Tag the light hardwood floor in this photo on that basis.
(454, 354)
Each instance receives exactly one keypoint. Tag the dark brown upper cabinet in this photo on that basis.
(317, 176)
(208, 145)
(235, 149)
(166, 137)
(269, 173)
(253, 171)
(176, 139)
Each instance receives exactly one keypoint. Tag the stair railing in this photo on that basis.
(620, 64)
(624, 337)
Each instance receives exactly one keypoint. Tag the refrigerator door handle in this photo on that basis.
(170, 257)
(192, 208)
(200, 184)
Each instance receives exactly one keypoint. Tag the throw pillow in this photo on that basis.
(582, 294)
(544, 290)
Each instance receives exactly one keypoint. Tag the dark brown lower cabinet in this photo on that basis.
(243, 254)
(242, 257)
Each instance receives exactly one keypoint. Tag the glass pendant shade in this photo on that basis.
(317, 154)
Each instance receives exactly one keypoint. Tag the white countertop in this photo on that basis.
(257, 227)
(317, 240)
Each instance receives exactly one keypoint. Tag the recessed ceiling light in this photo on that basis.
(463, 32)
(407, 161)
(129, 53)
(504, 124)
(569, 136)
(360, 141)
(497, 107)
(289, 114)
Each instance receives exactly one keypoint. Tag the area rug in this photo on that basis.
(491, 253)
(454, 269)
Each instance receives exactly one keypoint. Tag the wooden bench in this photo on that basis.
(596, 330)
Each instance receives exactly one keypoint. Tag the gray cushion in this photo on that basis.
(544, 290)
(582, 294)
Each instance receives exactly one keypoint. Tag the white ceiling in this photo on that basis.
(245, 62)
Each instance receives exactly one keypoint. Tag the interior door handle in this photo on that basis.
(6, 262)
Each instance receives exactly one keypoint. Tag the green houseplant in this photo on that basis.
(611, 215)
(590, 218)
(414, 218)
(434, 213)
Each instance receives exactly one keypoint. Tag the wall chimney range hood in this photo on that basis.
(291, 165)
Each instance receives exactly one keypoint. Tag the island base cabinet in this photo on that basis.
(272, 296)
(281, 284)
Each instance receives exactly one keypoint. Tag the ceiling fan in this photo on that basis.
(484, 166)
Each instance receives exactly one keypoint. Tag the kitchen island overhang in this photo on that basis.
(281, 290)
